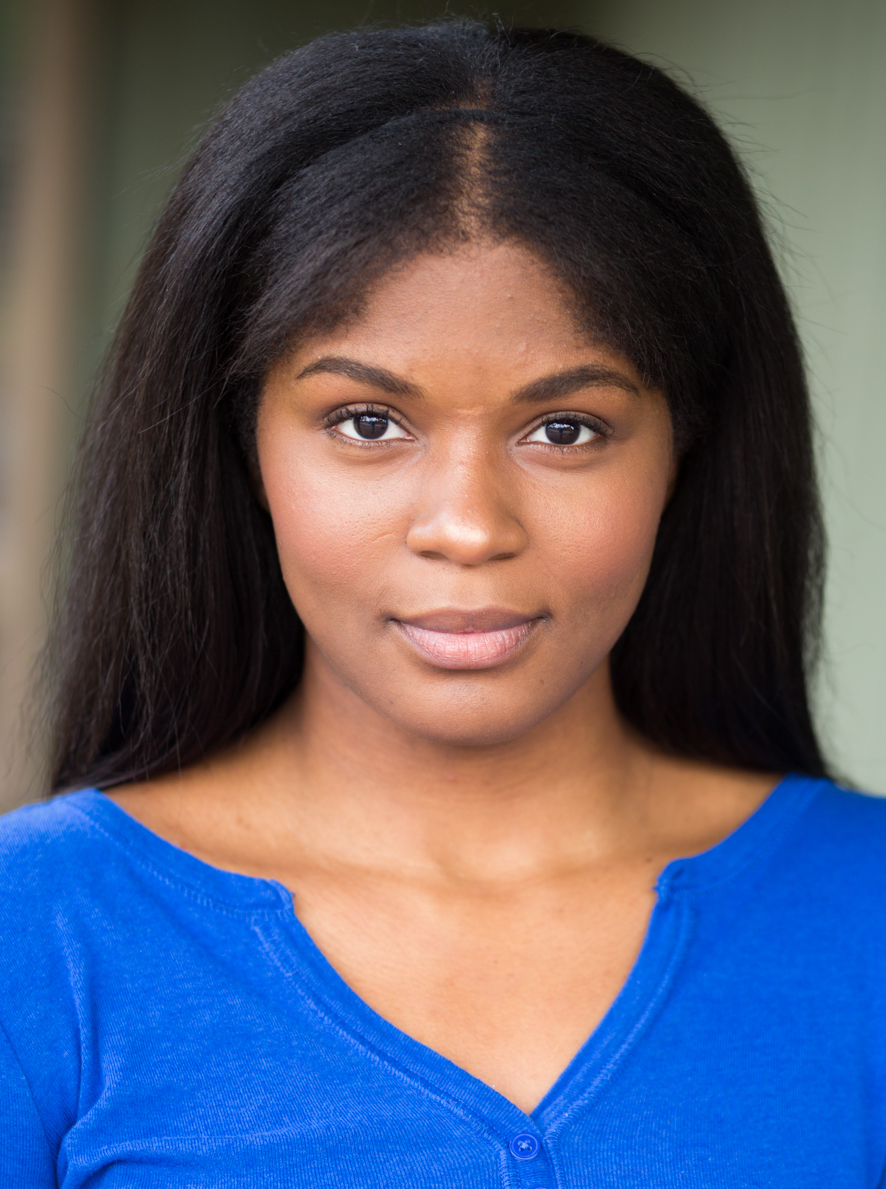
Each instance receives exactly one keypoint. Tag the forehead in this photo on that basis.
(479, 308)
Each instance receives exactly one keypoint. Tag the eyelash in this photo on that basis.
(347, 412)
(593, 423)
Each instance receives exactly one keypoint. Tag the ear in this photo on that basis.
(255, 479)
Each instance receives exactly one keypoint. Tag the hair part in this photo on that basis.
(175, 633)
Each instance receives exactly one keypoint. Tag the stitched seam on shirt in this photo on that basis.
(778, 833)
(652, 1009)
(356, 1039)
(174, 881)
(27, 1082)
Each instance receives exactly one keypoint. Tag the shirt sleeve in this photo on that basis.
(25, 1155)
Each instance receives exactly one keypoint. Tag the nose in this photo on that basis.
(466, 514)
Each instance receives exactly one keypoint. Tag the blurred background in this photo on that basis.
(100, 101)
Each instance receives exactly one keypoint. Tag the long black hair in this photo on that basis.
(175, 632)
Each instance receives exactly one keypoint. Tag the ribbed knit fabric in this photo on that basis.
(171, 1025)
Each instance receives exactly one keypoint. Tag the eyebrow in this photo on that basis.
(563, 383)
(363, 373)
(546, 388)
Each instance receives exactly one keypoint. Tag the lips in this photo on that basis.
(468, 640)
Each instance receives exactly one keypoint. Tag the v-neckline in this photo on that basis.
(319, 986)
(631, 1012)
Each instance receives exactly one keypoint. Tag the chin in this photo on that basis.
(474, 722)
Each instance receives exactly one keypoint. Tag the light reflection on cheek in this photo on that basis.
(605, 556)
(327, 543)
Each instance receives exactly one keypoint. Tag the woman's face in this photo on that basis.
(465, 492)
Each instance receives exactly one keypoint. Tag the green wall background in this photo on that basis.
(800, 86)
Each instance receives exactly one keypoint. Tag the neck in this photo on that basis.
(328, 777)
(368, 791)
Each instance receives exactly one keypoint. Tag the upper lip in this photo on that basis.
(453, 619)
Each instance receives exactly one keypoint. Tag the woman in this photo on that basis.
(444, 575)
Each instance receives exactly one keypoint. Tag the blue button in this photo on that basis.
(524, 1146)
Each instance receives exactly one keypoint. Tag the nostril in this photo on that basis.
(467, 533)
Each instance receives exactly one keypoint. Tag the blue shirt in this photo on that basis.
(169, 1024)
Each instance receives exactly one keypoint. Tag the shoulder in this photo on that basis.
(62, 900)
(813, 854)
(81, 865)
(52, 857)
(835, 851)
(56, 862)
(843, 824)
(42, 846)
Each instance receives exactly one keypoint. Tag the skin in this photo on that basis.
(474, 847)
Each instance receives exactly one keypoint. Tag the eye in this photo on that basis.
(563, 431)
(370, 427)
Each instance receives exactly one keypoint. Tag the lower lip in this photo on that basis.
(468, 650)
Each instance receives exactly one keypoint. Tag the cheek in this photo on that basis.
(330, 536)
(603, 550)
